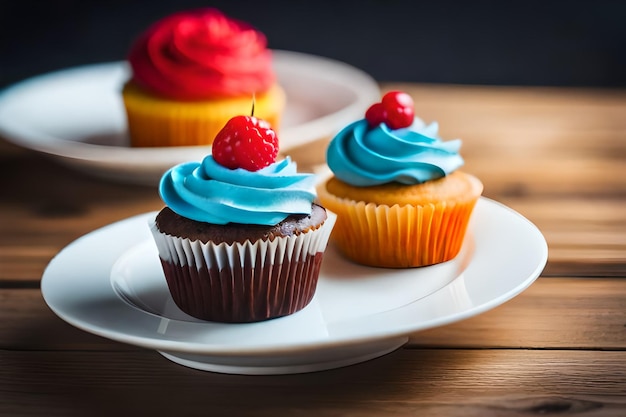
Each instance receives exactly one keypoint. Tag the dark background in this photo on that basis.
(491, 42)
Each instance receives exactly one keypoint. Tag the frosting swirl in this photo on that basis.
(201, 54)
(209, 192)
(364, 156)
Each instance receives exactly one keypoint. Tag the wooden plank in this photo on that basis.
(554, 313)
(477, 104)
(41, 217)
(29, 324)
(534, 140)
(541, 140)
(586, 236)
(406, 382)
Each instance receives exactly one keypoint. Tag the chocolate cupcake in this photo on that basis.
(241, 239)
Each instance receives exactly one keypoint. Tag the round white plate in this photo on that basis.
(110, 283)
(77, 115)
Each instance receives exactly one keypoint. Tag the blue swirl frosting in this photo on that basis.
(209, 192)
(364, 156)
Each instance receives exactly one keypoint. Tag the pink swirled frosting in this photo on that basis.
(201, 54)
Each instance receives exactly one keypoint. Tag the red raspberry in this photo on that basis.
(245, 142)
(395, 109)
(399, 107)
(376, 114)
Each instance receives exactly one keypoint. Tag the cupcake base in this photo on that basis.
(241, 294)
(245, 281)
(158, 122)
(426, 232)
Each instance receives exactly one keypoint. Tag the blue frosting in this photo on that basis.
(363, 156)
(208, 192)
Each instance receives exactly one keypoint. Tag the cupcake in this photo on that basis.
(401, 200)
(191, 72)
(240, 237)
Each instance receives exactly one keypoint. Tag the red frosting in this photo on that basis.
(201, 54)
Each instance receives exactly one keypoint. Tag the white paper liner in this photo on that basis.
(248, 281)
(183, 251)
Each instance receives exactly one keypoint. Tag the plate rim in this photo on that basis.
(298, 347)
(59, 147)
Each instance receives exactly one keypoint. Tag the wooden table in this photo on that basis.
(555, 155)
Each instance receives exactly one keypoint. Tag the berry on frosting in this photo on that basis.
(245, 142)
(376, 114)
(395, 109)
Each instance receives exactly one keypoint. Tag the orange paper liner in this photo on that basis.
(398, 236)
(153, 121)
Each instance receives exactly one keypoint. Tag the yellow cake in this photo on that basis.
(158, 121)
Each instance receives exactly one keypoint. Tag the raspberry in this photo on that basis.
(376, 114)
(395, 109)
(245, 142)
(399, 108)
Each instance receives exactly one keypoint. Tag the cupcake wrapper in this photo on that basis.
(398, 236)
(153, 121)
(243, 282)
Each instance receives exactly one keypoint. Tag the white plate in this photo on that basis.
(77, 115)
(110, 283)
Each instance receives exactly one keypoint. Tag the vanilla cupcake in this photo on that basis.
(396, 188)
(191, 72)
(241, 239)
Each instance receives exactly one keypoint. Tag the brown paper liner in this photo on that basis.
(399, 236)
(154, 121)
(243, 283)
